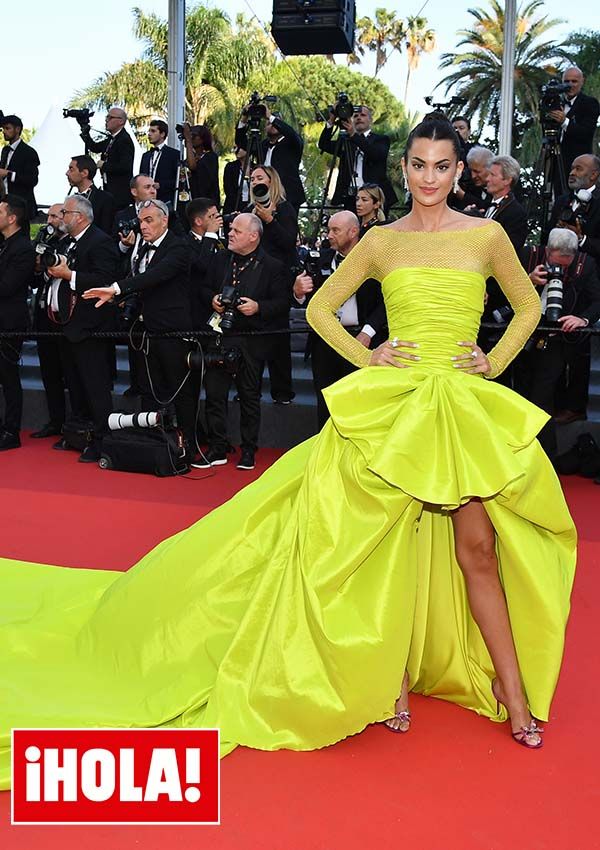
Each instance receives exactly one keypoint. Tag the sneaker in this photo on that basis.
(210, 458)
(247, 460)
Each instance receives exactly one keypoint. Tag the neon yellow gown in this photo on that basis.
(287, 616)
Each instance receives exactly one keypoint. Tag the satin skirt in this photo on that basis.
(287, 616)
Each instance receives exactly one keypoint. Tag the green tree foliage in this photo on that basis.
(582, 48)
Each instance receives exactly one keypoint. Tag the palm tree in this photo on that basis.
(383, 35)
(221, 59)
(476, 72)
(419, 40)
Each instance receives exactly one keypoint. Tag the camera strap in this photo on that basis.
(237, 269)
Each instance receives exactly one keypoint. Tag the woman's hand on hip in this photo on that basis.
(389, 354)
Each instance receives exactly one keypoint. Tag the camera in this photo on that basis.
(262, 194)
(128, 226)
(552, 96)
(554, 297)
(131, 308)
(577, 216)
(145, 419)
(46, 246)
(343, 109)
(227, 359)
(256, 110)
(503, 314)
(230, 299)
(82, 116)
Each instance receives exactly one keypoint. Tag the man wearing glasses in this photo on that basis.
(116, 151)
(577, 117)
(91, 259)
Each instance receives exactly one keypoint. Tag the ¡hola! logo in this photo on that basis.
(115, 776)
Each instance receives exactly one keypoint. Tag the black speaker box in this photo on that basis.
(313, 26)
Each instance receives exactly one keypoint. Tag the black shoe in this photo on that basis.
(47, 430)
(61, 446)
(9, 440)
(209, 458)
(284, 399)
(131, 392)
(89, 455)
(247, 460)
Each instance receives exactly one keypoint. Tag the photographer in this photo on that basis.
(503, 176)
(579, 209)
(363, 314)
(202, 162)
(126, 223)
(257, 298)
(205, 222)
(91, 259)
(19, 164)
(280, 232)
(50, 239)
(568, 284)
(282, 149)
(462, 125)
(472, 195)
(369, 153)
(234, 174)
(161, 163)
(160, 276)
(370, 202)
(16, 271)
(116, 155)
(577, 118)
(80, 174)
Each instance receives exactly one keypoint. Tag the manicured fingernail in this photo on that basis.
(456, 365)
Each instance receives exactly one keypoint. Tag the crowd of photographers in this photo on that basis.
(158, 252)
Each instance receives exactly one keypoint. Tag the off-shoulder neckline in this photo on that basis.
(391, 229)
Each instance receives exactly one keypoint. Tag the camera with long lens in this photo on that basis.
(145, 419)
(343, 108)
(127, 226)
(230, 299)
(218, 357)
(82, 116)
(262, 194)
(46, 246)
(256, 111)
(578, 215)
(552, 96)
(554, 293)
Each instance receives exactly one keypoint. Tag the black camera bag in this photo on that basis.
(150, 450)
(77, 433)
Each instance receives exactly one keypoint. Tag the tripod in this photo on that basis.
(346, 153)
(550, 167)
(253, 158)
(183, 192)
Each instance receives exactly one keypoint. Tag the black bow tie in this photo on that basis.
(338, 258)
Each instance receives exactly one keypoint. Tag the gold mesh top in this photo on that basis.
(484, 251)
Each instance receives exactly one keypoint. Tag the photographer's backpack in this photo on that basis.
(154, 450)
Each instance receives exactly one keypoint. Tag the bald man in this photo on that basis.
(363, 314)
(116, 162)
(578, 118)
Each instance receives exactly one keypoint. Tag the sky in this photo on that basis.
(68, 44)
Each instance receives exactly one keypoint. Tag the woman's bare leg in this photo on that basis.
(398, 723)
(474, 540)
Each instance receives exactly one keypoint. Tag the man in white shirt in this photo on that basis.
(161, 162)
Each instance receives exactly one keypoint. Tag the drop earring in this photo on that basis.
(456, 186)
(406, 189)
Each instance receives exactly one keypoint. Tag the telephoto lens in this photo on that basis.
(554, 298)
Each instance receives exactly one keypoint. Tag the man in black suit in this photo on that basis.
(17, 261)
(578, 119)
(160, 276)
(205, 221)
(472, 194)
(368, 152)
(19, 164)
(503, 176)
(142, 188)
(161, 163)
(260, 284)
(91, 259)
(117, 152)
(579, 209)
(235, 174)
(363, 314)
(281, 149)
(80, 174)
(538, 369)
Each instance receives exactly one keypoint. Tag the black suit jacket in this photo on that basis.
(279, 236)
(204, 180)
(117, 153)
(25, 163)
(264, 283)
(375, 148)
(591, 221)
(17, 261)
(578, 138)
(164, 286)
(231, 182)
(202, 253)
(581, 291)
(103, 205)
(95, 261)
(285, 159)
(512, 215)
(166, 171)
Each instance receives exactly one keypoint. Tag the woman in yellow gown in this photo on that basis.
(425, 506)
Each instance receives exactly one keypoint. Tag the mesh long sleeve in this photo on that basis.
(505, 266)
(360, 264)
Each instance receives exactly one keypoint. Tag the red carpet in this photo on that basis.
(456, 782)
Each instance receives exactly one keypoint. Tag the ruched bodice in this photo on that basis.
(436, 308)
